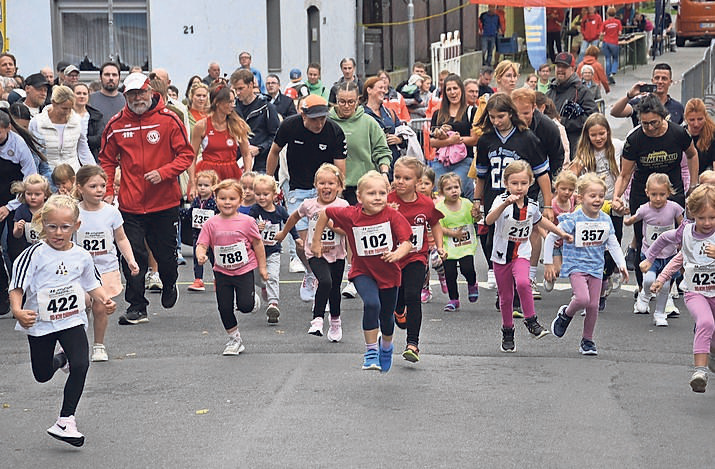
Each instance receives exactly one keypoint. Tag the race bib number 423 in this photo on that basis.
(591, 233)
(373, 240)
(60, 302)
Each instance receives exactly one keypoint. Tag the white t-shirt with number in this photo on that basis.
(512, 230)
(96, 235)
(699, 268)
(54, 283)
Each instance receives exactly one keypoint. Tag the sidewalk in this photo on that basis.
(680, 61)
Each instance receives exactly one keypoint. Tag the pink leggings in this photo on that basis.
(586, 292)
(702, 309)
(516, 271)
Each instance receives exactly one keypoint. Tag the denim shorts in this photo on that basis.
(296, 197)
(659, 265)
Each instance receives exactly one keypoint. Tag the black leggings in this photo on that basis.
(329, 276)
(230, 286)
(76, 347)
(610, 264)
(466, 265)
(409, 296)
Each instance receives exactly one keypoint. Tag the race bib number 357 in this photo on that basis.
(373, 240)
(591, 233)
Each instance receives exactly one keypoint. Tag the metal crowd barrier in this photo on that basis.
(698, 80)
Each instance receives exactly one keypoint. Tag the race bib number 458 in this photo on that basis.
(373, 240)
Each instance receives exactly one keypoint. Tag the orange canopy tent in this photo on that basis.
(546, 3)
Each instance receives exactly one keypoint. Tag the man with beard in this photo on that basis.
(149, 143)
(108, 100)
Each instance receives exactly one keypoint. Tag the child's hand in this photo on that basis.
(264, 273)
(280, 236)
(133, 268)
(109, 305)
(317, 249)
(21, 224)
(624, 274)
(564, 235)
(511, 199)
(442, 253)
(26, 317)
(645, 265)
(201, 259)
(476, 211)
(261, 225)
(710, 251)
(550, 272)
(391, 257)
(299, 243)
(656, 286)
(459, 233)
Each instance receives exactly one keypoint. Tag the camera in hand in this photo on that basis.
(649, 88)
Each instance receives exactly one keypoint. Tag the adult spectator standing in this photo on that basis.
(701, 127)
(599, 74)
(573, 101)
(591, 26)
(315, 85)
(108, 100)
(485, 78)
(375, 106)
(214, 71)
(245, 59)
(163, 75)
(544, 74)
(36, 90)
(347, 67)
(283, 104)
(60, 68)
(8, 65)
(91, 118)
(48, 73)
(489, 29)
(662, 78)
(611, 29)
(554, 26)
(471, 91)
(151, 156)
(198, 104)
(260, 115)
(71, 76)
(394, 100)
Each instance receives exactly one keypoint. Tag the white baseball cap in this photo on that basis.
(136, 81)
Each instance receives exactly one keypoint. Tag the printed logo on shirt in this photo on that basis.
(61, 269)
(229, 142)
(153, 137)
(322, 146)
(500, 254)
(128, 134)
(297, 142)
(10, 153)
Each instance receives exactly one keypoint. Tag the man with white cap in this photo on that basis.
(71, 76)
(150, 145)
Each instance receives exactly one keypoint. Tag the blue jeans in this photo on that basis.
(488, 45)
(378, 305)
(296, 197)
(584, 46)
(461, 169)
(610, 51)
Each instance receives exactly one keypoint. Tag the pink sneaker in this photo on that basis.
(443, 283)
(426, 295)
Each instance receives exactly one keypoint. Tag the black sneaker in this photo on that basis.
(4, 306)
(587, 347)
(507, 340)
(631, 256)
(169, 295)
(133, 317)
(611, 81)
(602, 303)
(560, 323)
(535, 328)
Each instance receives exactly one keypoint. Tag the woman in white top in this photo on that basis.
(58, 129)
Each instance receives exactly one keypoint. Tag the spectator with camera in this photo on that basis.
(573, 100)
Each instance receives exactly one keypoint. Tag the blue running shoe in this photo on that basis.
(587, 347)
(372, 361)
(560, 323)
(386, 358)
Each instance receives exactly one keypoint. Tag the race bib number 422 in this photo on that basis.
(60, 302)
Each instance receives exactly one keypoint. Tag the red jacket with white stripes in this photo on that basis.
(138, 144)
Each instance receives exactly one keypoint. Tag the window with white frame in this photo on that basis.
(81, 33)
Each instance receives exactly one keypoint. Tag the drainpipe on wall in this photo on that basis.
(360, 41)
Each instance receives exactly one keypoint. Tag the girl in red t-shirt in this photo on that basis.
(373, 229)
(420, 213)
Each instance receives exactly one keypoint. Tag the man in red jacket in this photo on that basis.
(149, 143)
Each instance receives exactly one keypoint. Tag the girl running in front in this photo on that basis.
(101, 226)
(237, 249)
(373, 229)
(590, 233)
(270, 217)
(32, 192)
(63, 179)
(697, 256)
(47, 297)
(203, 207)
(658, 216)
(329, 268)
(249, 197)
(459, 237)
(420, 212)
(563, 202)
(425, 186)
(514, 216)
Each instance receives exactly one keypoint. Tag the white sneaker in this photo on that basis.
(349, 291)
(154, 284)
(272, 313)
(674, 293)
(316, 327)
(660, 320)
(296, 265)
(335, 332)
(535, 289)
(256, 302)
(641, 304)
(308, 287)
(65, 429)
(99, 353)
(699, 381)
(234, 346)
(671, 310)
(616, 281)
(548, 285)
(491, 279)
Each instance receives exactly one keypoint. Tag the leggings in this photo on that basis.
(42, 352)
(487, 242)
(409, 296)
(199, 269)
(378, 305)
(702, 309)
(586, 292)
(514, 272)
(329, 276)
(228, 286)
(466, 265)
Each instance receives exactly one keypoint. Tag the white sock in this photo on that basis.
(532, 272)
(235, 334)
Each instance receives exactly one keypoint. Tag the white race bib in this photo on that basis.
(60, 302)
(700, 278)
(32, 236)
(328, 239)
(373, 240)
(469, 237)
(199, 217)
(517, 231)
(269, 234)
(652, 232)
(417, 238)
(231, 257)
(94, 242)
(591, 233)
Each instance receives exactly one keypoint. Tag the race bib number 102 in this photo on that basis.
(373, 240)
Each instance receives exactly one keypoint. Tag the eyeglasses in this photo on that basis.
(349, 102)
(63, 228)
(652, 124)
